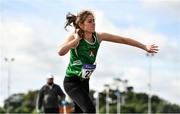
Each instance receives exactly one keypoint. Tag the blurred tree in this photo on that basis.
(135, 103)
(2, 110)
(21, 103)
(130, 89)
(15, 101)
(30, 101)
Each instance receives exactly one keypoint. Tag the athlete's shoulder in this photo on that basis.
(101, 34)
(105, 36)
(98, 36)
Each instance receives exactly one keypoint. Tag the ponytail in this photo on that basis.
(75, 21)
(70, 19)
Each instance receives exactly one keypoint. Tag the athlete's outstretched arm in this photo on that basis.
(119, 39)
(69, 43)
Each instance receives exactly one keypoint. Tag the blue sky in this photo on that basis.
(32, 30)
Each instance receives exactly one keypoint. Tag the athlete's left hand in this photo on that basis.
(151, 48)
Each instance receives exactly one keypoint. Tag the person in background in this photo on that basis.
(49, 96)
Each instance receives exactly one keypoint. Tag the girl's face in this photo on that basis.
(89, 24)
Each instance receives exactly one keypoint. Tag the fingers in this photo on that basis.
(79, 33)
(154, 46)
(76, 35)
(153, 49)
(76, 31)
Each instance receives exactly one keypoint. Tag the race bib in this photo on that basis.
(87, 70)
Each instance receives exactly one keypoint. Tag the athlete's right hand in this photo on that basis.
(71, 42)
(76, 35)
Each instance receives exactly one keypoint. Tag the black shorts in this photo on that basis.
(78, 91)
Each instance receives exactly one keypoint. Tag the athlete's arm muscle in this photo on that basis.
(128, 41)
(69, 43)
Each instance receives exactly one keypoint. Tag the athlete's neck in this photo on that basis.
(88, 36)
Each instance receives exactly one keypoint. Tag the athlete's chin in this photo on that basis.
(93, 30)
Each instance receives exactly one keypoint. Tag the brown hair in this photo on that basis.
(73, 20)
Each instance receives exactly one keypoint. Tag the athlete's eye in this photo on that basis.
(91, 21)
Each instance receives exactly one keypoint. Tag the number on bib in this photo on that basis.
(87, 70)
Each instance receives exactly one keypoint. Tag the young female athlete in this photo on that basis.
(83, 45)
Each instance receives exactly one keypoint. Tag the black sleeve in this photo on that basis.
(60, 92)
(40, 98)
